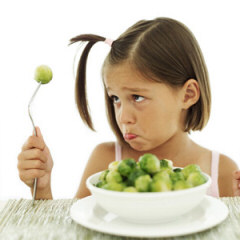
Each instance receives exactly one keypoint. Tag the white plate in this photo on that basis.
(209, 213)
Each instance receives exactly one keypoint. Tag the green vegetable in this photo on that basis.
(130, 189)
(166, 164)
(134, 175)
(113, 165)
(181, 184)
(100, 184)
(142, 183)
(176, 176)
(138, 165)
(104, 175)
(196, 178)
(163, 174)
(114, 186)
(113, 176)
(149, 163)
(161, 185)
(189, 169)
(43, 74)
(149, 174)
(126, 166)
(177, 169)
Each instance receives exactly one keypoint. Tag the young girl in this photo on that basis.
(157, 91)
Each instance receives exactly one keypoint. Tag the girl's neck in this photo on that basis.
(176, 146)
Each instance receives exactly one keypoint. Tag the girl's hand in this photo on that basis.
(35, 161)
(236, 183)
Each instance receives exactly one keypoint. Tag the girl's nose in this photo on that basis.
(126, 115)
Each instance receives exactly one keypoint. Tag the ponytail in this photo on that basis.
(80, 87)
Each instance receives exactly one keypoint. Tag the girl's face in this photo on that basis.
(148, 113)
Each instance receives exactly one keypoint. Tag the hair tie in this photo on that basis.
(108, 41)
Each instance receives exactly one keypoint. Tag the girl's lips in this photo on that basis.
(129, 136)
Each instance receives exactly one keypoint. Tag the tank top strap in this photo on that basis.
(213, 190)
(118, 152)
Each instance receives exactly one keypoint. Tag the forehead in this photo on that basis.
(124, 75)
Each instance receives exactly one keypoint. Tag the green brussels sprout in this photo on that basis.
(162, 174)
(43, 74)
(103, 175)
(181, 184)
(126, 166)
(134, 175)
(114, 176)
(100, 184)
(149, 163)
(114, 186)
(177, 169)
(189, 169)
(113, 165)
(142, 183)
(130, 189)
(176, 176)
(138, 165)
(196, 178)
(166, 164)
(161, 185)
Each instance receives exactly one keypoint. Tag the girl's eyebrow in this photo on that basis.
(132, 89)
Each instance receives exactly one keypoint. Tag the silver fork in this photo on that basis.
(35, 133)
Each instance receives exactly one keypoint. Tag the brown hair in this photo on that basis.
(163, 50)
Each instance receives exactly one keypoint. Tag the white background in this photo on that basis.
(38, 32)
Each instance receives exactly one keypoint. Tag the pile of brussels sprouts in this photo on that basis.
(149, 174)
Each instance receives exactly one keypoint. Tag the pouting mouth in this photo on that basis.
(129, 136)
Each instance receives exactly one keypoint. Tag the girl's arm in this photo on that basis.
(99, 160)
(228, 181)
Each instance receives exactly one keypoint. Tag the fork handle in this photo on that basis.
(34, 190)
(35, 133)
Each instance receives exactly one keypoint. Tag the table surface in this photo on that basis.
(50, 219)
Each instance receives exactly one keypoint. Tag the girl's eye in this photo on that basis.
(138, 98)
(114, 98)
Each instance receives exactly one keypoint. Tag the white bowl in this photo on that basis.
(148, 207)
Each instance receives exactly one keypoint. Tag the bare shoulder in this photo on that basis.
(98, 161)
(226, 169)
(226, 165)
(103, 154)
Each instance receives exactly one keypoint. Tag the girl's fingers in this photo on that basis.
(236, 187)
(29, 175)
(32, 154)
(34, 141)
(236, 174)
(236, 184)
(39, 134)
(236, 193)
(31, 164)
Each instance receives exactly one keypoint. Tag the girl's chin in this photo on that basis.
(140, 147)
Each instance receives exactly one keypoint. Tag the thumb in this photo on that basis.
(39, 134)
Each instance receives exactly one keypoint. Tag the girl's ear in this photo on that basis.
(191, 93)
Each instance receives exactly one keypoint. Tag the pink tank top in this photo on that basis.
(213, 189)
